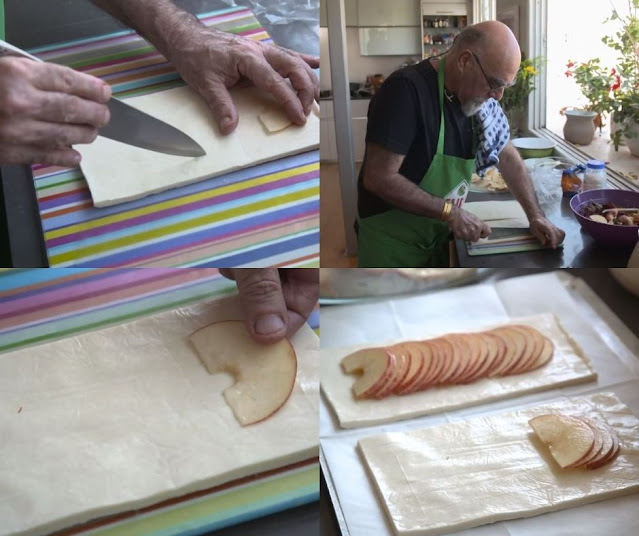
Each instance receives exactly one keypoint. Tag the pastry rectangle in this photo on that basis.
(465, 474)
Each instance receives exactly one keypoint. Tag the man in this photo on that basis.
(47, 108)
(416, 168)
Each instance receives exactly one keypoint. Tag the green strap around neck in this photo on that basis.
(440, 81)
(2, 19)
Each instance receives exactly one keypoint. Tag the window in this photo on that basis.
(574, 32)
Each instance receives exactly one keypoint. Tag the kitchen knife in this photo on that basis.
(133, 127)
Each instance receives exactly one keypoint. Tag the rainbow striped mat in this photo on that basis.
(38, 306)
(266, 215)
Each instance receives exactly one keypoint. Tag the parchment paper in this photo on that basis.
(614, 360)
(127, 416)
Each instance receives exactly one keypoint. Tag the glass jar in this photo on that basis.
(570, 182)
(595, 175)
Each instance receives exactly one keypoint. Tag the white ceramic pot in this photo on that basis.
(633, 143)
(580, 126)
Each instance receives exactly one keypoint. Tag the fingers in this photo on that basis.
(262, 301)
(52, 77)
(301, 292)
(485, 230)
(63, 108)
(546, 233)
(290, 65)
(467, 226)
(24, 154)
(221, 104)
(264, 77)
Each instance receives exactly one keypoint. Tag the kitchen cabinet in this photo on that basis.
(350, 13)
(390, 41)
(359, 121)
(385, 13)
(443, 8)
(440, 25)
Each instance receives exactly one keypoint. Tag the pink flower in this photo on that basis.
(617, 84)
(568, 74)
(613, 72)
(570, 64)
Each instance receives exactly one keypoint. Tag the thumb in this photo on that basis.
(485, 230)
(221, 104)
(262, 303)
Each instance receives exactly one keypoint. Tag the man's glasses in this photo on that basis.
(494, 85)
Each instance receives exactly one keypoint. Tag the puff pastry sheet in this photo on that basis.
(465, 474)
(569, 365)
(117, 172)
(127, 416)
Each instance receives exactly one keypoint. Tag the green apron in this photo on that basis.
(2, 19)
(399, 239)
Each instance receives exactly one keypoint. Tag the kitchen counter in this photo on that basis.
(579, 249)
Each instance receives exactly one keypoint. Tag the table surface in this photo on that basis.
(622, 303)
(579, 249)
(32, 23)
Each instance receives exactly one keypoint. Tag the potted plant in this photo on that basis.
(613, 91)
(515, 99)
(626, 105)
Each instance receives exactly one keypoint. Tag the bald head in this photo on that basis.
(491, 40)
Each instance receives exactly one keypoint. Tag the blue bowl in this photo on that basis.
(620, 236)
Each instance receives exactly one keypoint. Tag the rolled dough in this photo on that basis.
(124, 417)
(493, 211)
(117, 172)
(568, 366)
(428, 480)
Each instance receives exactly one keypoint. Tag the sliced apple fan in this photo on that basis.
(576, 442)
(457, 358)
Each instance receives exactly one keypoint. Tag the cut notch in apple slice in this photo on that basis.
(264, 373)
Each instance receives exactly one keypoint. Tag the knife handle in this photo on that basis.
(9, 50)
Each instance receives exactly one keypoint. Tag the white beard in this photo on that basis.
(471, 107)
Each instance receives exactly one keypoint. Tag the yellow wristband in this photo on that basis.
(448, 208)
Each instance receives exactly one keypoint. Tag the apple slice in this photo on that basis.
(433, 365)
(399, 365)
(462, 351)
(478, 353)
(534, 343)
(488, 356)
(414, 372)
(515, 343)
(597, 445)
(264, 374)
(568, 438)
(375, 366)
(547, 352)
(609, 450)
(449, 358)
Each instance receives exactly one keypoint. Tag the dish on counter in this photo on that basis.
(623, 236)
(340, 285)
(492, 182)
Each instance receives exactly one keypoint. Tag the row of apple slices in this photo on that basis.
(577, 442)
(457, 358)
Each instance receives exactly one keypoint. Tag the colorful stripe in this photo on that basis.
(42, 305)
(2, 19)
(255, 216)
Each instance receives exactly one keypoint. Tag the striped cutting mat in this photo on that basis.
(265, 215)
(38, 306)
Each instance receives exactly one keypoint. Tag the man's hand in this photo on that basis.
(46, 108)
(276, 303)
(546, 232)
(467, 226)
(211, 61)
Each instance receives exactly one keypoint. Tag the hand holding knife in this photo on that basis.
(46, 117)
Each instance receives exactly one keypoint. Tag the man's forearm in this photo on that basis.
(512, 168)
(160, 21)
(405, 195)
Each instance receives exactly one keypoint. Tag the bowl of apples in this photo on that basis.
(611, 217)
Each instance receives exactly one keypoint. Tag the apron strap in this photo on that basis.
(2, 19)
(440, 82)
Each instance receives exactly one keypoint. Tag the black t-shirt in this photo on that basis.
(404, 117)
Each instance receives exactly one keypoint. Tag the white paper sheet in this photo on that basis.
(463, 474)
(127, 416)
